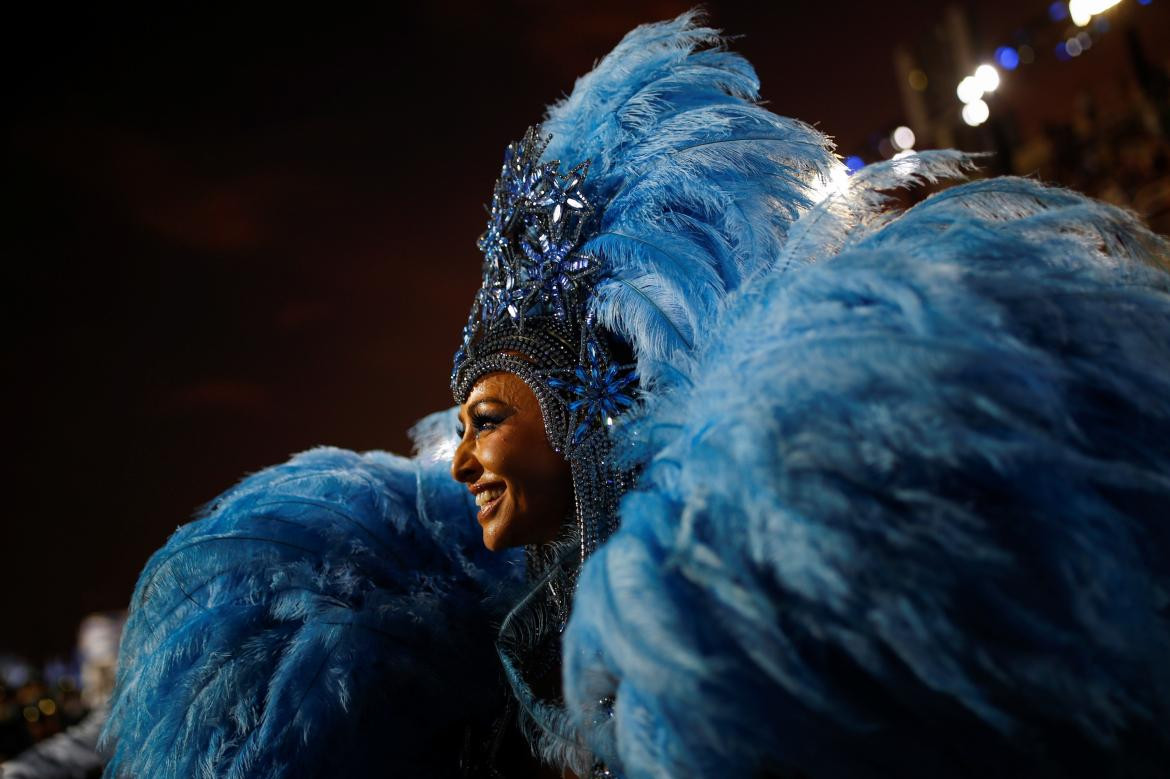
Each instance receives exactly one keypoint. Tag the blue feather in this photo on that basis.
(906, 516)
(333, 615)
(853, 206)
(700, 184)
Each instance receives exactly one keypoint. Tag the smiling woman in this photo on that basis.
(806, 486)
(522, 487)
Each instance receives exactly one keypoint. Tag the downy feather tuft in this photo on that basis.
(331, 616)
(699, 183)
(909, 518)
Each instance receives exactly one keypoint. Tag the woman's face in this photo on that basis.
(523, 488)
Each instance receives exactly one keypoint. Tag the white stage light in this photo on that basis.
(987, 77)
(1083, 11)
(969, 90)
(976, 112)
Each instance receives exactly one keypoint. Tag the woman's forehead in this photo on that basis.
(505, 387)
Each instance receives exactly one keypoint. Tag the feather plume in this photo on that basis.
(851, 204)
(330, 616)
(908, 517)
(1033, 211)
(700, 184)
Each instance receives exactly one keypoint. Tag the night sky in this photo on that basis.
(231, 235)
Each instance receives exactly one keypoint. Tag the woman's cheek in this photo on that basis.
(491, 450)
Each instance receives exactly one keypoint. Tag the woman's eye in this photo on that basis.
(484, 422)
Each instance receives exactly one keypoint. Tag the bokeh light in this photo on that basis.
(854, 163)
(987, 77)
(969, 89)
(1082, 11)
(903, 137)
(1007, 57)
(918, 80)
(975, 113)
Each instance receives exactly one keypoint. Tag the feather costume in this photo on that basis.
(695, 187)
(331, 616)
(909, 516)
(902, 509)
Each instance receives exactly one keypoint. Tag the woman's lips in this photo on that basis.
(488, 500)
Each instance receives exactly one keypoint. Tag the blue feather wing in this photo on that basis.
(331, 616)
(909, 516)
(700, 183)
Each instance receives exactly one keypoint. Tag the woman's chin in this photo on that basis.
(497, 528)
(492, 538)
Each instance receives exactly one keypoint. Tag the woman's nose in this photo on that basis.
(465, 467)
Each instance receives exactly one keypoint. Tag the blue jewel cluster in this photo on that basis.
(530, 266)
(534, 275)
(534, 225)
(597, 390)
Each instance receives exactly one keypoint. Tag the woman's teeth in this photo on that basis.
(487, 496)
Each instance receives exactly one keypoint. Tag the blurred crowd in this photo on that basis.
(51, 716)
(33, 708)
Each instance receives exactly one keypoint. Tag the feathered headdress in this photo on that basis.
(619, 225)
(694, 183)
(616, 229)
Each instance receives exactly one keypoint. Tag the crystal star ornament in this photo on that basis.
(534, 226)
(595, 392)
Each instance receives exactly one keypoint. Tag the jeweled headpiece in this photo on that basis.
(677, 187)
(531, 317)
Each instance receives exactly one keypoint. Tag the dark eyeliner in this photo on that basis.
(481, 421)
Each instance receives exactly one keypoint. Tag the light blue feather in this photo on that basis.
(699, 184)
(903, 510)
(909, 514)
(857, 204)
(331, 616)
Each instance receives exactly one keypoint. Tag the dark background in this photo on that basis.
(231, 235)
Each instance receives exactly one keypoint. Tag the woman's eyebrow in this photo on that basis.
(472, 403)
